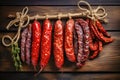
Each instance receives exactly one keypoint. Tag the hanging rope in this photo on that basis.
(22, 19)
(93, 13)
(19, 22)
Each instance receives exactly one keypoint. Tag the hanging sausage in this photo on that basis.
(58, 44)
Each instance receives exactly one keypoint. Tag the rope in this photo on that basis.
(93, 14)
(59, 16)
(19, 22)
(22, 19)
(69, 15)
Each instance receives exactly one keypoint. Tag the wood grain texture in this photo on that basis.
(59, 76)
(108, 60)
(113, 13)
(57, 2)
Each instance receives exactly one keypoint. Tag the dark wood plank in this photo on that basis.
(113, 14)
(57, 2)
(108, 60)
(60, 76)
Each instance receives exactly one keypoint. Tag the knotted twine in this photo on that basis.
(20, 23)
(94, 14)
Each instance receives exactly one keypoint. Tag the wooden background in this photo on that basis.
(105, 67)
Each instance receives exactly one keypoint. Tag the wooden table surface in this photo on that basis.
(105, 67)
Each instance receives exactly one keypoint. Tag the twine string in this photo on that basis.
(22, 19)
(20, 22)
(59, 16)
(94, 14)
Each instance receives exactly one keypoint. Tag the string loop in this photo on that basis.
(98, 13)
(21, 21)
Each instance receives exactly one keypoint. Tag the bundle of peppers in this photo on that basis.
(79, 40)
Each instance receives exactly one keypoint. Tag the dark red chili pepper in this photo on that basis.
(58, 44)
(101, 28)
(36, 37)
(69, 47)
(46, 43)
(23, 43)
(28, 44)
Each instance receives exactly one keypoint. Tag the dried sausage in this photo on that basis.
(58, 44)
(23, 43)
(36, 37)
(28, 44)
(46, 43)
(69, 47)
(79, 33)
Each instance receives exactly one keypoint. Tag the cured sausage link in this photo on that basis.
(23, 43)
(36, 37)
(58, 44)
(79, 33)
(101, 29)
(46, 43)
(69, 47)
(86, 35)
(28, 44)
(98, 34)
(92, 44)
(75, 42)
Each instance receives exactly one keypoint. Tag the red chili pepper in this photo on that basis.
(46, 43)
(69, 48)
(58, 44)
(36, 37)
